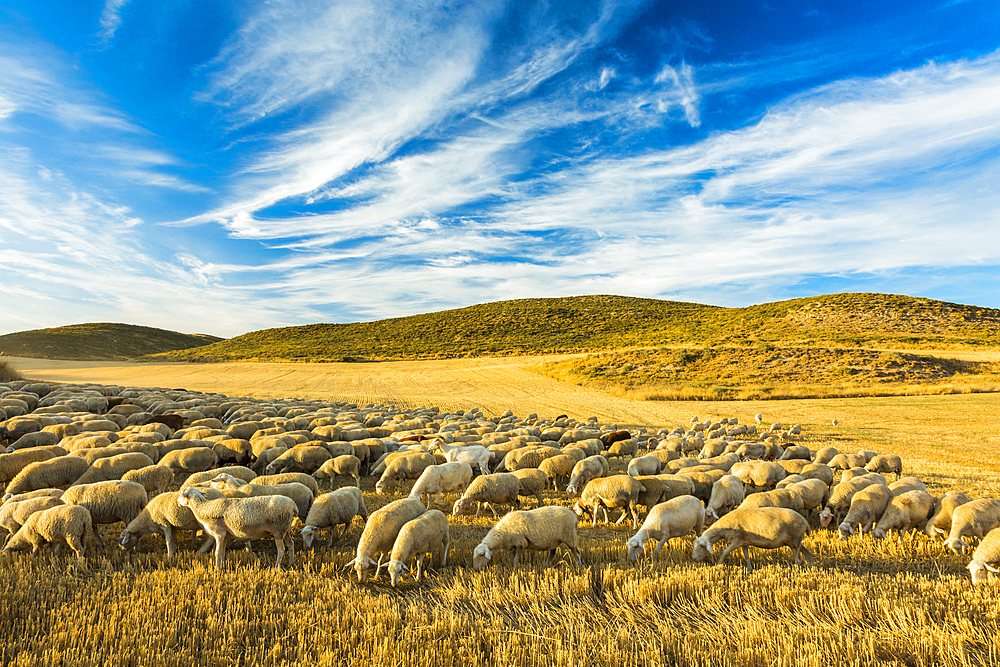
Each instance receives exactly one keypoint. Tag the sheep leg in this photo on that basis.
(517, 554)
(209, 542)
(551, 558)
(593, 521)
(220, 550)
(420, 567)
(77, 545)
(746, 557)
(635, 515)
(729, 549)
(621, 518)
(805, 552)
(279, 544)
(659, 545)
(168, 535)
(444, 553)
(97, 536)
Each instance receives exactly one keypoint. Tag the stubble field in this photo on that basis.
(864, 603)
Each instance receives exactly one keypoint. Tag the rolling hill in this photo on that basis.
(98, 342)
(604, 322)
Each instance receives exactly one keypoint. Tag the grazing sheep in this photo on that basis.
(847, 461)
(674, 518)
(940, 523)
(164, 515)
(300, 494)
(906, 510)
(609, 439)
(825, 454)
(345, 464)
(867, 506)
(727, 494)
(972, 519)
(764, 527)
(427, 534)
(791, 479)
(752, 451)
(789, 498)
(243, 519)
(848, 475)
(839, 501)
(113, 467)
(644, 465)
(265, 457)
(380, 534)
(499, 488)
(558, 467)
(533, 483)
(108, 502)
(477, 456)
(13, 515)
(819, 471)
(438, 479)
(410, 466)
(624, 448)
(886, 463)
(71, 523)
(540, 529)
(307, 459)
(191, 459)
(590, 468)
(37, 493)
(759, 474)
(615, 491)
(239, 472)
(154, 478)
(905, 484)
(53, 473)
(796, 452)
(814, 493)
(11, 464)
(337, 508)
(986, 557)
(703, 483)
(287, 478)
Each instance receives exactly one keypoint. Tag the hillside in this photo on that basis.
(602, 322)
(98, 342)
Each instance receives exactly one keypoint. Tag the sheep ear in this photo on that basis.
(351, 564)
(486, 552)
(124, 540)
(711, 550)
(991, 568)
(371, 561)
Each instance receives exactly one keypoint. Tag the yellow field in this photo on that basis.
(864, 603)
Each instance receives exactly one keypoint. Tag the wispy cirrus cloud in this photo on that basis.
(111, 19)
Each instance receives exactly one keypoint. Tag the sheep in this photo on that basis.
(426, 534)
(477, 456)
(867, 506)
(337, 508)
(723, 462)
(438, 479)
(609, 439)
(791, 479)
(752, 450)
(557, 467)
(287, 478)
(533, 482)
(825, 454)
(345, 464)
(243, 519)
(644, 465)
(852, 473)
(71, 523)
(380, 534)
(940, 523)
(239, 472)
(986, 557)
(847, 461)
(540, 529)
(406, 467)
(789, 498)
(13, 463)
(191, 459)
(37, 493)
(819, 471)
(300, 494)
(972, 519)
(674, 518)
(905, 484)
(108, 502)
(727, 494)
(165, 515)
(840, 500)
(604, 492)
(590, 468)
(495, 488)
(113, 467)
(307, 459)
(265, 457)
(764, 527)
(885, 463)
(53, 473)
(796, 452)
(13, 515)
(154, 478)
(623, 448)
(905, 511)
(814, 493)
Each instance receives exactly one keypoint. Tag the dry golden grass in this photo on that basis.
(864, 603)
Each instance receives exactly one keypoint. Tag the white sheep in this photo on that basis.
(380, 534)
(53, 473)
(113, 467)
(615, 491)
(426, 534)
(905, 484)
(973, 519)
(337, 508)
(867, 507)
(560, 466)
(674, 518)
(814, 493)
(540, 529)
(406, 467)
(533, 483)
(499, 488)
(164, 515)
(727, 494)
(300, 494)
(590, 468)
(438, 479)
(839, 501)
(69, 523)
(108, 502)
(345, 464)
(243, 519)
(13, 515)
(885, 463)
(986, 557)
(940, 523)
(644, 465)
(154, 478)
(476, 456)
(765, 528)
(906, 510)
(825, 454)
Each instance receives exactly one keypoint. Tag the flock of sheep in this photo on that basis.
(247, 469)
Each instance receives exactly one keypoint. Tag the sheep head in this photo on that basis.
(634, 549)
(396, 571)
(702, 550)
(481, 557)
(308, 534)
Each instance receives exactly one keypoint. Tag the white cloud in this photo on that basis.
(111, 19)
(683, 91)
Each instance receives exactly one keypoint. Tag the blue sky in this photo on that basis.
(221, 167)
